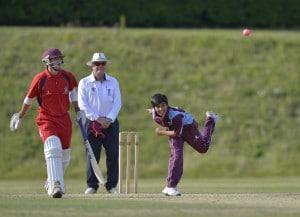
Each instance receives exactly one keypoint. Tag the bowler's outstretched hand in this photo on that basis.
(149, 110)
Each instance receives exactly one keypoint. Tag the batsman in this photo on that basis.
(53, 88)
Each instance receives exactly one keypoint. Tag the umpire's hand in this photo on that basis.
(105, 122)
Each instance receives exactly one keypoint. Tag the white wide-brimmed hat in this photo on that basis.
(98, 57)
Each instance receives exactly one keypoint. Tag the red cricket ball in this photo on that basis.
(246, 32)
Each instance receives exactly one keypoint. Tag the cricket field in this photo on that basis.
(276, 196)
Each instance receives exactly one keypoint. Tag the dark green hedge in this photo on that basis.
(153, 13)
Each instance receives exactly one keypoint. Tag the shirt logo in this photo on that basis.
(66, 90)
(93, 89)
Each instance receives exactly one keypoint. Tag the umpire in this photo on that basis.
(100, 98)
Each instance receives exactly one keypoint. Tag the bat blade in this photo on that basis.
(91, 155)
(94, 164)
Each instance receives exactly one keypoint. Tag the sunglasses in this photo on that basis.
(99, 63)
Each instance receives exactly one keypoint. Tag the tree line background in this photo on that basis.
(155, 13)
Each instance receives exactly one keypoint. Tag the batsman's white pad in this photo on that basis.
(53, 157)
(66, 157)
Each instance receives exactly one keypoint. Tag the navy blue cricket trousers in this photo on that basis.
(111, 146)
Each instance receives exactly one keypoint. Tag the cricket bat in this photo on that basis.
(91, 155)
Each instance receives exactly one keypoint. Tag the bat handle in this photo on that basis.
(82, 129)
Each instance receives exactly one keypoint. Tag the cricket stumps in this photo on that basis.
(126, 141)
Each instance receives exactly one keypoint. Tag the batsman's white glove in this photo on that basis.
(15, 122)
(81, 115)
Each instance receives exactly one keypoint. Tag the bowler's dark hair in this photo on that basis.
(158, 98)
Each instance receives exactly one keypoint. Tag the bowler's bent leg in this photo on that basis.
(200, 141)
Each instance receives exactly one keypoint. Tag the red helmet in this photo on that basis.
(51, 53)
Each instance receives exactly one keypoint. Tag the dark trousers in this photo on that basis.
(111, 146)
(198, 140)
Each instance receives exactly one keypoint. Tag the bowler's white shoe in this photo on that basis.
(90, 191)
(171, 191)
(212, 115)
(112, 191)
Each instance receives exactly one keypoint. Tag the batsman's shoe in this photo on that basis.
(212, 115)
(171, 191)
(46, 185)
(90, 191)
(57, 192)
(112, 191)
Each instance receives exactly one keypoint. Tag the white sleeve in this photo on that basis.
(28, 101)
(83, 102)
(73, 95)
(113, 114)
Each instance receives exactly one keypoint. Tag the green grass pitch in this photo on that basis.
(201, 197)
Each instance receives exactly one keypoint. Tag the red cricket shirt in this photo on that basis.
(52, 91)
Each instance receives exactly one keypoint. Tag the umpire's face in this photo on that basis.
(99, 69)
